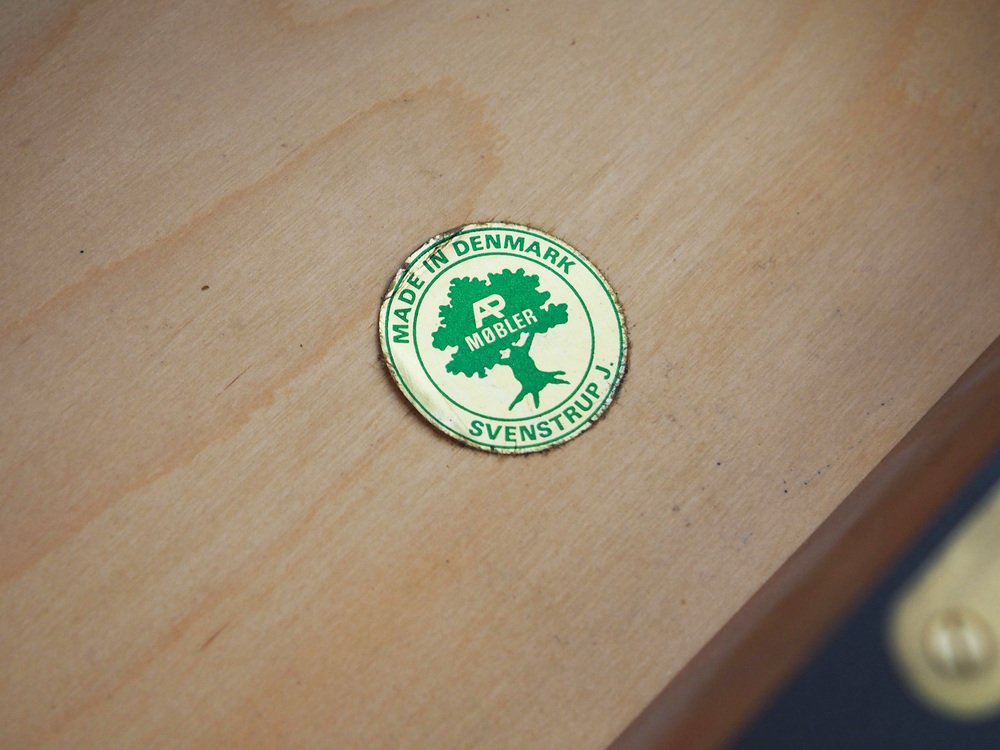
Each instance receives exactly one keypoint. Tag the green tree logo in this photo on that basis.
(493, 322)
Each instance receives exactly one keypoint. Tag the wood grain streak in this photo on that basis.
(54, 36)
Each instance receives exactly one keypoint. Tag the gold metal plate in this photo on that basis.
(944, 629)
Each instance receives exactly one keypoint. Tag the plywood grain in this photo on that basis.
(221, 526)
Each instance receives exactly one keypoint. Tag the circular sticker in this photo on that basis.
(504, 337)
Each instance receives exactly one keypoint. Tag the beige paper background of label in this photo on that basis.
(588, 349)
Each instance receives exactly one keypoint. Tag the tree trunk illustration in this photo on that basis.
(532, 379)
(461, 322)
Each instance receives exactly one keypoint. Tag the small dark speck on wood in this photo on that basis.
(205, 288)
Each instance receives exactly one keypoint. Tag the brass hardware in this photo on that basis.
(944, 628)
(959, 644)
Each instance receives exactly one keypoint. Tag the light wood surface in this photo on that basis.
(221, 526)
(718, 693)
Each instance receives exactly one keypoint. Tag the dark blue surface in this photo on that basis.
(849, 697)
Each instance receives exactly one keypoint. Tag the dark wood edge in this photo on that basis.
(762, 646)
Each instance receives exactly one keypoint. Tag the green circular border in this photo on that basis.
(468, 229)
(572, 393)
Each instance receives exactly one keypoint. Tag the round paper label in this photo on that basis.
(504, 337)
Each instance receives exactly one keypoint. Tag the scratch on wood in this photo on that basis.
(235, 379)
(208, 641)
